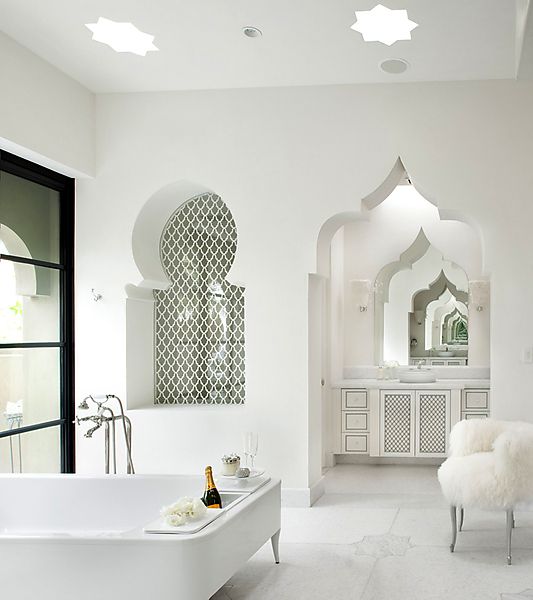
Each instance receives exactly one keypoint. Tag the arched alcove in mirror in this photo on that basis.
(412, 299)
(383, 247)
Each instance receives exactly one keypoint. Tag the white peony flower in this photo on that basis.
(184, 508)
(198, 508)
(176, 519)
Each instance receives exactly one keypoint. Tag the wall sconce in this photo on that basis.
(419, 316)
(361, 293)
(479, 294)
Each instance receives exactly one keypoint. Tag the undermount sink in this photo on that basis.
(447, 354)
(417, 376)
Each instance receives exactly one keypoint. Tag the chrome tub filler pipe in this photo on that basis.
(105, 416)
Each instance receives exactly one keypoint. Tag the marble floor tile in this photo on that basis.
(334, 522)
(425, 573)
(379, 479)
(306, 571)
(521, 596)
(380, 546)
(383, 533)
(432, 527)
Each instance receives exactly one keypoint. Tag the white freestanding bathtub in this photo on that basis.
(72, 537)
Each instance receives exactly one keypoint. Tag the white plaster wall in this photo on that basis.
(285, 160)
(44, 115)
(336, 309)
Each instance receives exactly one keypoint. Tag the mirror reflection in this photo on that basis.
(424, 308)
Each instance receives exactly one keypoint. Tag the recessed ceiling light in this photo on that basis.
(394, 66)
(122, 37)
(252, 32)
(381, 24)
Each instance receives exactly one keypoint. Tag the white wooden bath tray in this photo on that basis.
(161, 526)
(229, 500)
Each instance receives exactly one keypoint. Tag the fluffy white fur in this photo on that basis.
(490, 464)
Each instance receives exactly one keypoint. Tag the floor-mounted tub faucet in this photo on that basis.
(106, 417)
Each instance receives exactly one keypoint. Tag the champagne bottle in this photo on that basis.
(211, 496)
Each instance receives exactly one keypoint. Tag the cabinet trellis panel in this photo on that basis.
(397, 411)
(433, 423)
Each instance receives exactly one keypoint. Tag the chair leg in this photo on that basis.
(510, 523)
(453, 515)
(461, 518)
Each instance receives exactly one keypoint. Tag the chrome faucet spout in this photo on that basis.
(89, 432)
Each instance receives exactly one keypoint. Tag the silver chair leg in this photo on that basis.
(461, 518)
(453, 515)
(510, 524)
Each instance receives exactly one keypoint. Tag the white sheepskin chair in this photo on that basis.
(490, 466)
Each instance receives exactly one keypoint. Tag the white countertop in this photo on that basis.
(394, 384)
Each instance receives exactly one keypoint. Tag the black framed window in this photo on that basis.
(36, 318)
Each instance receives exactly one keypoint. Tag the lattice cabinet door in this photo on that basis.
(432, 422)
(397, 423)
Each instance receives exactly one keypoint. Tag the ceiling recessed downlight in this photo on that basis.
(381, 24)
(252, 32)
(394, 66)
(122, 37)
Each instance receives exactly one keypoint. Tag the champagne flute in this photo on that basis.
(251, 444)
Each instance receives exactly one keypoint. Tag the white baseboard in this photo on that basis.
(351, 459)
(317, 491)
(302, 497)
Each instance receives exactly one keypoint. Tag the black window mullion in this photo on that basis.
(15, 165)
(33, 427)
(65, 186)
(66, 257)
(31, 261)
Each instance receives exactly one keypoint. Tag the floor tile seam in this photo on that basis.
(345, 544)
(424, 496)
(394, 521)
(369, 577)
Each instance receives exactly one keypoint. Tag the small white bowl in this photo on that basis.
(229, 469)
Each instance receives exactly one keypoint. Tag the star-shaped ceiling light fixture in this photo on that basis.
(381, 24)
(122, 37)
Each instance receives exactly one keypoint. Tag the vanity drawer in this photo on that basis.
(357, 443)
(475, 400)
(354, 399)
(477, 415)
(353, 421)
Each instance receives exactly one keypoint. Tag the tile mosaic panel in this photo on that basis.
(199, 319)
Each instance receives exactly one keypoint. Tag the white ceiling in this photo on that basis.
(305, 42)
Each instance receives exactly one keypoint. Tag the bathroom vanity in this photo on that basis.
(391, 419)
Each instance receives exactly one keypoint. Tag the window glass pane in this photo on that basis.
(29, 386)
(29, 218)
(29, 303)
(31, 452)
